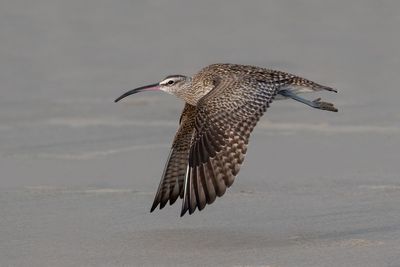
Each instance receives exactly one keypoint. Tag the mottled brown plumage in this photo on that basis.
(172, 183)
(223, 105)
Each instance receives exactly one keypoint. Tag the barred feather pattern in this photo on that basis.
(202, 82)
(172, 181)
(225, 117)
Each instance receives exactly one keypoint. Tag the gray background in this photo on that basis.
(79, 173)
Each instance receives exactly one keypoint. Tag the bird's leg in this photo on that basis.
(317, 103)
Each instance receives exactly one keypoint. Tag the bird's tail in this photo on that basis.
(323, 87)
(301, 85)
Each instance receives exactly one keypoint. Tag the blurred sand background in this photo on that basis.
(79, 173)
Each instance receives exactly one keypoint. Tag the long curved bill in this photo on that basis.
(151, 87)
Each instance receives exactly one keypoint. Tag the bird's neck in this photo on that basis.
(188, 93)
(192, 92)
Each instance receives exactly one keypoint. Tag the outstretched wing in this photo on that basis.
(172, 180)
(225, 117)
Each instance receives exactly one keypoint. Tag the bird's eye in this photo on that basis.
(170, 82)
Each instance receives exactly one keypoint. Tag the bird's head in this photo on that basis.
(173, 84)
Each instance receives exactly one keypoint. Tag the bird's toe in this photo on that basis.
(324, 105)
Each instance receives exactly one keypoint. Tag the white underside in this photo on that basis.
(294, 89)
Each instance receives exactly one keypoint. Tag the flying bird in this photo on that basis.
(223, 103)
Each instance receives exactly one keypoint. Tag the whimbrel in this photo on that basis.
(223, 104)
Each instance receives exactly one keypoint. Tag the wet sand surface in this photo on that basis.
(79, 173)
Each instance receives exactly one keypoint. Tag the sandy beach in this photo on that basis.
(79, 172)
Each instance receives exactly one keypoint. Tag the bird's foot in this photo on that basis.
(317, 103)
